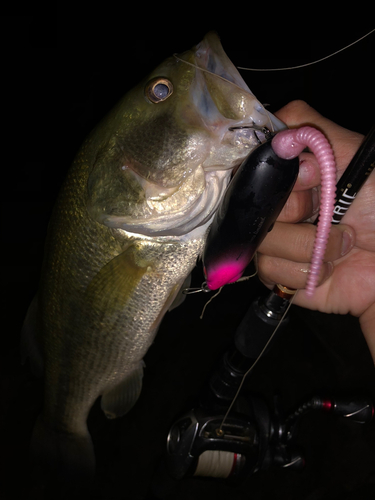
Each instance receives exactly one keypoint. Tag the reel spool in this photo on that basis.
(219, 464)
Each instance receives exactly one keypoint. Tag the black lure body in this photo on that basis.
(251, 205)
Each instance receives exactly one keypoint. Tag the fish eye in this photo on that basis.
(158, 90)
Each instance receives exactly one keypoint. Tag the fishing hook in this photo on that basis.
(264, 130)
(203, 288)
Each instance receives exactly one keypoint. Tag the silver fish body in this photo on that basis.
(128, 226)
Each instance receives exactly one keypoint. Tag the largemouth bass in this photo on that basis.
(127, 228)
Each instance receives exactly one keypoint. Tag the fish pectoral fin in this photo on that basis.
(121, 398)
(112, 286)
(29, 345)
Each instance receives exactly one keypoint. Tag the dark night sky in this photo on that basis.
(61, 76)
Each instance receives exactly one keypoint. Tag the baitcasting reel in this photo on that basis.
(199, 444)
(210, 441)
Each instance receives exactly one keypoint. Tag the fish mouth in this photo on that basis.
(226, 103)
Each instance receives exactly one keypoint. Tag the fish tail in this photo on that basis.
(61, 457)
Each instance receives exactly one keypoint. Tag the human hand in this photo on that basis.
(347, 283)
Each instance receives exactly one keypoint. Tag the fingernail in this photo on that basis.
(347, 242)
(306, 173)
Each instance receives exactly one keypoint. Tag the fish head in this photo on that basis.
(164, 155)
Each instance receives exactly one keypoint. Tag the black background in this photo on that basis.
(60, 75)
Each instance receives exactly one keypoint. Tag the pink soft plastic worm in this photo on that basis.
(290, 143)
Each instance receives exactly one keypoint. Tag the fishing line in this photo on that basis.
(209, 72)
(309, 63)
(243, 278)
(206, 304)
(220, 429)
